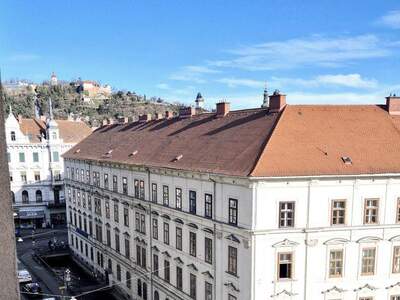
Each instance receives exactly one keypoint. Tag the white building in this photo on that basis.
(289, 202)
(34, 148)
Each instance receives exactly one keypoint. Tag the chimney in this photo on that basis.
(105, 122)
(222, 108)
(393, 104)
(145, 118)
(169, 114)
(277, 101)
(20, 119)
(110, 121)
(159, 116)
(187, 111)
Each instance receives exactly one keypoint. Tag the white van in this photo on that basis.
(24, 276)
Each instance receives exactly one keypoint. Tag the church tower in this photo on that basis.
(199, 101)
(265, 99)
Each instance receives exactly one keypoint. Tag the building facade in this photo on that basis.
(34, 149)
(284, 202)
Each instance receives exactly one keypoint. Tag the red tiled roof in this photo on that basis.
(206, 143)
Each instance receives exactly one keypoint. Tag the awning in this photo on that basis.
(31, 214)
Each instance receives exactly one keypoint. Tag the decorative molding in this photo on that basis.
(208, 230)
(193, 267)
(207, 274)
(333, 289)
(395, 238)
(233, 238)
(166, 253)
(177, 220)
(285, 243)
(336, 241)
(393, 285)
(366, 286)
(283, 292)
(178, 260)
(369, 239)
(231, 286)
(193, 225)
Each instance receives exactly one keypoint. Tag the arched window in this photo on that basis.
(13, 135)
(128, 280)
(144, 291)
(118, 272)
(139, 288)
(13, 197)
(156, 295)
(25, 197)
(39, 197)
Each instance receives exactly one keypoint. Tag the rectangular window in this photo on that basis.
(116, 212)
(125, 185)
(115, 183)
(371, 211)
(22, 157)
(286, 214)
(178, 198)
(154, 192)
(117, 245)
(137, 221)
(179, 278)
(23, 177)
(143, 223)
(126, 216)
(165, 195)
(155, 264)
(178, 238)
(208, 291)
(166, 233)
(106, 181)
(338, 212)
(166, 271)
(396, 259)
(336, 263)
(285, 265)
(83, 175)
(208, 206)
(233, 211)
(144, 260)
(88, 177)
(35, 157)
(395, 297)
(155, 229)
(232, 260)
(208, 250)
(141, 189)
(138, 255)
(368, 261)
(192, 202)
(107, 207)
(231, 297)
(56, 157)
(127, 249)
(192, 244)
(192, 291)
(108, 237)
(136, 188)
(37, 176)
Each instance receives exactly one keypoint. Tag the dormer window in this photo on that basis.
(54, 135)
(13, 135)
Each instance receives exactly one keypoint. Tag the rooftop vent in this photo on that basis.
(77, 150)
(108, 153)
(393, 104)
(179, 157)
(133, 153)
(223, 108)
(347, 160)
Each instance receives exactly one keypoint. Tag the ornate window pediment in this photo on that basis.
(366, 287)
(208, 230)
(178, 260)
(333, 289)
(193, 267)
(177, 220)
(231, 286)
(369, 239)
(166, 254)
(193, 225)
(207, 274)
(336, 241)
(285, 243)
(233, 238)
(283, 292)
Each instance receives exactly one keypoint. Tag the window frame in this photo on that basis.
(335, 212)
(291, 262)
(284, 220)
(362, 273)
(233, 212)
(367, 217)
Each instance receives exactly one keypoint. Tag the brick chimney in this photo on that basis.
(223, 108)
(159, 116)
(110, 121)
(277, 101)
(393, 104)
(145, 118)
(169, 114)
(187, 111)
(105, 122)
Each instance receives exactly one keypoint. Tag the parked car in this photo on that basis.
(24, 276)
(33, 289)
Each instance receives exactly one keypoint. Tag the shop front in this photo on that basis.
(31, 218)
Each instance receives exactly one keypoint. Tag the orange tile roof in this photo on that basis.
(70, 131)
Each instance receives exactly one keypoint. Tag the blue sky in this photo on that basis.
(321, 51)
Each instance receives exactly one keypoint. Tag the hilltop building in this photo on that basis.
(34, 149)
(92, 89)
(277, 202)
(53, 79)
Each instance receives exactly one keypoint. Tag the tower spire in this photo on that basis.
(265, 99)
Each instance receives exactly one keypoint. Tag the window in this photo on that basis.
(366, 298)
(166, 233)
(89, 202)
(208, 206)
(116, 212)
(155, 229)
(155, 264)
(192, 291)
(126, 216)
(128, 280)
(136, 188)
(22, 157)
(192, 244)
(137, 221)
(39, 197)
(285, 265)
(107, 207)
(125, 185)
(54, 135)
(396, 260)
(154, 192)
(106, 181)
(23, 177)
(97, 206)
(231, 297)
(166, 271)
(25, 197)
(144, 264)
(12, 135)
(208, 291)
(56, 157)
(108, 237)
(83, 175)
(141, 189)
(165, 195)
(115, 183)
(208, 251)
(338, 212)
(336, 263)
(88, 178)
(233, 211)
(35, 157)
(178, 238)
(118, 272)
(139, 288)
(143, 223)
(179, 278)
(398, 211)
(395, 297)
(368, 261)
(192, 202)
(286, 214)
(232, 260)
(178, 198)
(96, 179)
(371, 211)
(156, 295)
(138, 255)
(127, 248)
(37, 176)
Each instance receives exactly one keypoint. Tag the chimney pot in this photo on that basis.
(105, 122)
(169, 114)
(159, 116)
(223, 108)
(187, 111)
(277, 102)
(145, 118)
(393, 105)
(110, 121)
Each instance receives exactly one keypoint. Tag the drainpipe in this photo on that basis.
(306, 241)
(214, 238)
(151, 234)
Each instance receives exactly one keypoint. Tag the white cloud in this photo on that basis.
(391, 19)
(192, 73)
(313, 51)
(235, 82)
